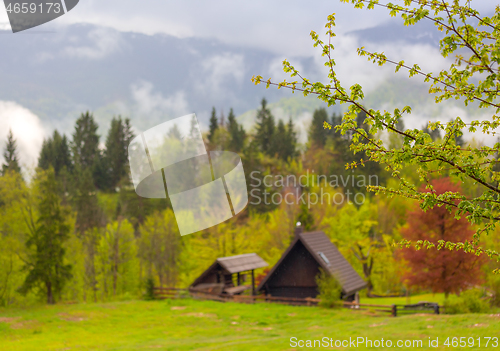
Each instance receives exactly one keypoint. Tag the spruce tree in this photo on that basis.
(265, 129)
(85, 144)
(317, 133)
(222, 122)
(291, 141)
(360, 120)
(116, 154)
(55, 153)
(433, 133)
(46, 267)
(85, 202)
(459, 140)
(340, 141)
(175, 133)
(45, 157)
(237, 133)
(285, 140)
(89, 220)
(11, 160)
(85, 149)
(214, 125)
(279, 140)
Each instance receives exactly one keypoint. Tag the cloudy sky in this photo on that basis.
(278, 26)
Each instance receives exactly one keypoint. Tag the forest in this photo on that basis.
(73, 229)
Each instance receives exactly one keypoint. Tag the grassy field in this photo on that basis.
(207, 325)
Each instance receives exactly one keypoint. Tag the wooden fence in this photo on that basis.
(170, 293)
(394, 310)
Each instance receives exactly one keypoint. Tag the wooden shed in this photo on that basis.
(294, 274)
(220, 277)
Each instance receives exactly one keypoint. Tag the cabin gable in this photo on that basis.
(296, 275)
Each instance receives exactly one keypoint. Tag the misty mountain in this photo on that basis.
(59, 74)
(423, 32)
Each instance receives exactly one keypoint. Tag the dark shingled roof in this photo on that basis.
(234, 264)
(329, 258)
(241, 263)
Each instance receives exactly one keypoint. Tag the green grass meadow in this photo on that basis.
(208, 325)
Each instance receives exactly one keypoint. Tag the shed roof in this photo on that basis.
(241, 263)
(328, 257)
(234, 264)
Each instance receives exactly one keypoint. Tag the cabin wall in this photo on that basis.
(349, 298)
(210, 278)
(217, 275)
(295, 276)
(214, 275)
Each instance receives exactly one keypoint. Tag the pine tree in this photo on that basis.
(85, 149)
(459, 140)
(85, 145)
(89, 219)
(46, 267)
(175, 132)
(88, 212)
(116, 153)
(194, 129)
(11, 161)
(360, 120)
(55, 153)
(265, 129)
(317, 133)
(214, 125)
(222, 122)
(238, 134)
(291, 141)
(45, 157)
(433, 133)
(279, 141)
(338, 139)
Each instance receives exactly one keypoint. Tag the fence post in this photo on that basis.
(394, 310)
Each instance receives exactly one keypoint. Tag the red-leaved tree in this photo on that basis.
(440, 270)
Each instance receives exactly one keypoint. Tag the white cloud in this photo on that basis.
(281, 26)
(5, 26)
(216, 70)
(27, 130)
(444, 112)
(352, 68)
(153, 105)
(105, 42)
(276, 72)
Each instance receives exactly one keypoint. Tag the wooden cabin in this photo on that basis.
(227, 275)
(295, 273)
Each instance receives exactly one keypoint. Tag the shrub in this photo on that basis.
(470, 301)
(455, 305)
(150, 291)
(330, 291)
(494, 286)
